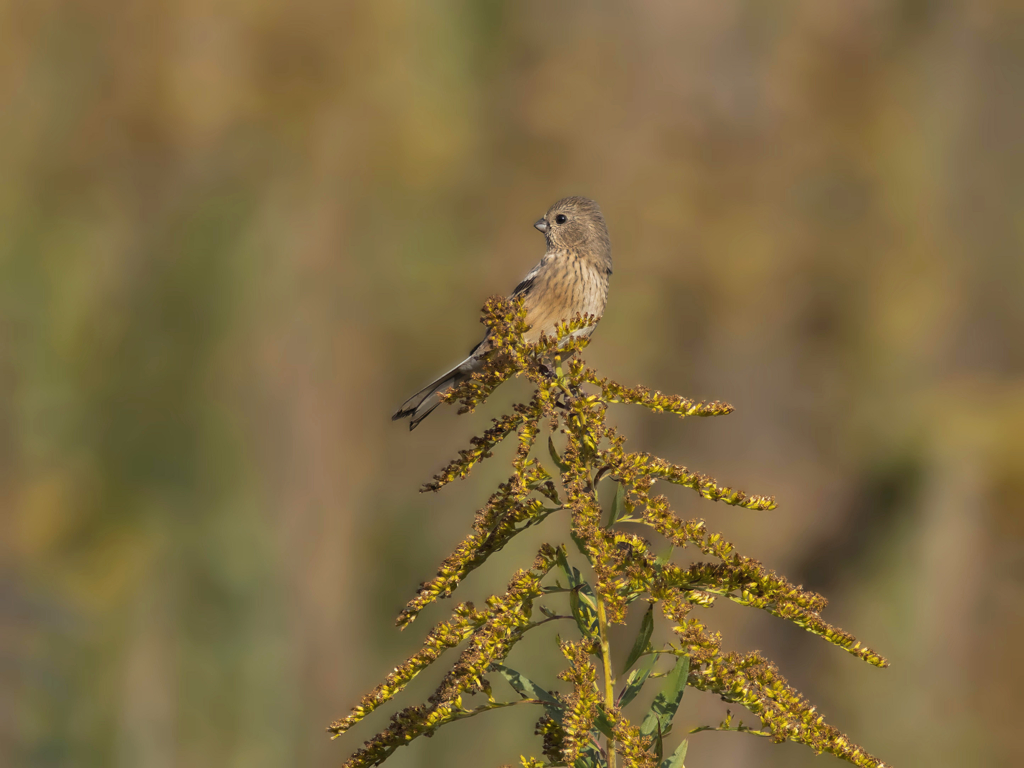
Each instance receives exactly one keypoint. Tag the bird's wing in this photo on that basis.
(524, 288)
(521, 290)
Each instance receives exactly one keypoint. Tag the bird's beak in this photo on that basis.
(542, 225)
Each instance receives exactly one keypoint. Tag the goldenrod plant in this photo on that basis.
(583, 725)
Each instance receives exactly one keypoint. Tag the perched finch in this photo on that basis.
(571, 277)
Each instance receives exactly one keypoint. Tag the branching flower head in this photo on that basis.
(584, 725)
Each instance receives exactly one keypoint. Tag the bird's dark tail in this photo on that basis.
(422, 404)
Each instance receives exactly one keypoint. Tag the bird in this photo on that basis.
(571, 277)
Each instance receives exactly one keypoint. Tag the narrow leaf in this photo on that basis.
(587, 596)
(574, 607)
(659, 745)
(677, 757)
(662, 559)
(618, 504)
(584, 608)
(581, 599)
(567, 569)
(636, 680)
(581, 545)
(555, 457)
(528, 689)
(603, 723)
(642, 640)
(667, 701)
(592, 757)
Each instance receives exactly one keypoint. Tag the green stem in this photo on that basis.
(602, 616)
(609, 679)
(491, 706)
(535, 624)
(740, 729)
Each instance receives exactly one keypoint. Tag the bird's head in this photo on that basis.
(576, 224)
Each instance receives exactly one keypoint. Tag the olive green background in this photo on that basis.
(235, 234)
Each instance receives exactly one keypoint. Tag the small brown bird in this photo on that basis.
(571, 277)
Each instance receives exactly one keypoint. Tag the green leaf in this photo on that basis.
(618, 504)
(528, 689)
(603, 723)
(582, 602)
(539, 518)
(592, 757)
(636, 680)
(572, 575)
(642, 640)
(667, 701)
(584, 608)
(581, 545)
(662, 559)
(677, 757)
(555, 457)
(588, 597)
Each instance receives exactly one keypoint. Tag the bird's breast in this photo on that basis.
(567, 284)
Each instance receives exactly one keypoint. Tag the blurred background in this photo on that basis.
(234, 236)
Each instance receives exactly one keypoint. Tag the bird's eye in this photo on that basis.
(560, 219)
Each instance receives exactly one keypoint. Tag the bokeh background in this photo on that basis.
(235, 235)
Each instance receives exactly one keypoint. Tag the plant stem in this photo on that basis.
(535, 624)
(602, 616)
(609, 680)
(490, 706)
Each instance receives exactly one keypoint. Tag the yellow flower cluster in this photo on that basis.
(572, 402)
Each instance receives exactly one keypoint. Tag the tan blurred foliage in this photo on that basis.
(234, 235)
